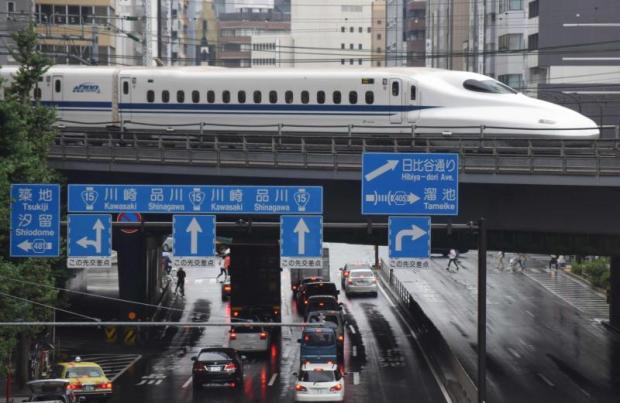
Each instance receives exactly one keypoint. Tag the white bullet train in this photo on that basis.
(433, 100)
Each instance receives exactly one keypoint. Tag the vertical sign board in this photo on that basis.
(301, 242)
(410, 183)
(193, 241)
(35, 220)
(89, 241)
(409, 242)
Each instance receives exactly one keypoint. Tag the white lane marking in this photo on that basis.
(356, 378)
(530, 313)
(354, 351)
(351, 329)
(513, 352)
(273, 379)
(212, 281)
(545, 379)
(121, 372)
(387, 298)
(187, 383)
(198, 281)
(442, 387)
(509, 298)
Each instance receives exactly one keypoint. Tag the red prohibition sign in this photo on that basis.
(129, 217)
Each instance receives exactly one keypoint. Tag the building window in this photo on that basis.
(515, 4)
(341, 61)
(288, 97)
(241, 97)
(352, 29)
(370, 97)
(125, 87)
(195, 97)
(412, 95)
(10, 7)
(258, 97)
(378, 64)
(60, 15)
(378, 50)
(150, 96)
(532, 42)
(210, 96)
(180, 96)
(352, 97)
(510, 42)
(342, 29)
(533, 9)
(379, 36)
(359, 46)
(337, 97)
(378, 22)
(226, 97)
(320, 96)
(368, 29)
(273, 97)
(360, 30)
(359, 61)
(351, 46)
(342, 46)
(165, 96)
(74, 15)
(350, 61)
(511, 80)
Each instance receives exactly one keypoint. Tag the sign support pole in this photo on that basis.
(482, 311)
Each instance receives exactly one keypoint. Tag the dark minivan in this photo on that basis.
(320, 288)
(217, 366)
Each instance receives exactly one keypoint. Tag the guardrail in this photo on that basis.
(288, 149)
(449, 369)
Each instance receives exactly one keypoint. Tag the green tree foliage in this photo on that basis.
(25, 136)
(596, 271)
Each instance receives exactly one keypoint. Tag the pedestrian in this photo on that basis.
(180, 281)
(561, 262)
(452, 259)
(500, 260)
(553, 262)
(225, 266)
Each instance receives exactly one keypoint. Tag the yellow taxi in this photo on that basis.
(86, 379)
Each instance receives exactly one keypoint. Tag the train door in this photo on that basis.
(396, 100)
(57, 88)
(125, 97)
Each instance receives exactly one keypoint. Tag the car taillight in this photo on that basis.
(226, 288)
(230, 367)
(294, 287)
(233, 336)
(198, 367)
(263, 335)
(321, 303)
(300, 388)
(74, 386)
(107, 385)
(341, 338)
(305, 302)
(335, 388)
(236, 313)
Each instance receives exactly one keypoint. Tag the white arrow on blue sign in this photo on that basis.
(410, 184)
(301, 241)
(89, 241)
(409, 241)
(35, 220)
(193, 241)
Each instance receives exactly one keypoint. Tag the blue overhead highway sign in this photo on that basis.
(409, 241)
(195, 199)
(193, 241)
(301, 241)
(35, 220)
(89, 241)
(410, 184)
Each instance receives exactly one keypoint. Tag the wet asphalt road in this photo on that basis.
(383, 363)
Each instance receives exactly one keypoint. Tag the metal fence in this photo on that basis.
(297, 148)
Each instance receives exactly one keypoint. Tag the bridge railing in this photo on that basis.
(284, 148)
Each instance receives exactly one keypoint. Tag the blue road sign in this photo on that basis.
(193, 241)
(35, 220)
(89, 241)
(410, 184)
(196, 199)
(409, 241)
(301, 241)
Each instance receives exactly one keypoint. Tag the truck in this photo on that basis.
(299, 274)
(255, 282)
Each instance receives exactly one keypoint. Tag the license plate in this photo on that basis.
(214, 369)
(319, 391)
(89, 388)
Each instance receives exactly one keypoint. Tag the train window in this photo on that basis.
(180, 96)
(305, 97)
(273, 97)
(337, 97)
(320, 97)
(210, 96)
(413, 93)
(226, 97)
(165, 96)
(352, 97)
(195, 96)
(150, 96)
(488, 86)
(57, 86)
(125, 87)
(37, 93)
(288, 97)
(370, 97)
(241, 97)
(395, 88)
(258, 97)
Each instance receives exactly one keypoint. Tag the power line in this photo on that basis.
(50, 307)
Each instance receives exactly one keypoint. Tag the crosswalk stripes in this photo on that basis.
(113, 365)
(572, 291)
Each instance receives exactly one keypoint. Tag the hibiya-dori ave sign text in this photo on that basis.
(195, 199)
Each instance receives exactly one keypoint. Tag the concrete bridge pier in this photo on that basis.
(614, 293)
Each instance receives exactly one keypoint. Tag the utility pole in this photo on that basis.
(94, 47)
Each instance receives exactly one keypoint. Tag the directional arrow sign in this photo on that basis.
(301, 241)
(388, 166)
(89, 239)
(193, 241)
(409, 241)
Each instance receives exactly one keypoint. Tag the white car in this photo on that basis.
(249, 338)
(319, 383)
(361, 281)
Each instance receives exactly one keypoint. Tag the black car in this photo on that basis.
(217, 366)
(321, 303)
(320, 288)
